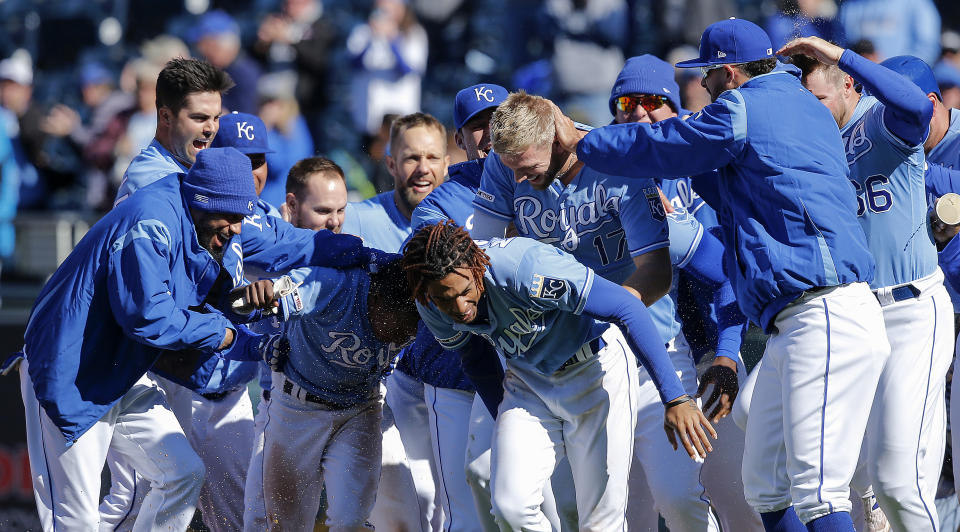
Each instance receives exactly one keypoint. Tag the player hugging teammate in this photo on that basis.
(513, 332)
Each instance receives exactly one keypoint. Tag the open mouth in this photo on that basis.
(200, 144)
(420, 186)
(219, 240)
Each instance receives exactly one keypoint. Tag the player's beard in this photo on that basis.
(205, 237)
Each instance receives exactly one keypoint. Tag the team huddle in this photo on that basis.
(525, 340)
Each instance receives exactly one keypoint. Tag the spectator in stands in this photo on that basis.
(587, 39)
(287, 132)
(57, 162)
(143, 120)
(389, 56)
(217, 39)
(300, 39)
(805, 18)
(896, 27)
(105, 116)
(16, 89)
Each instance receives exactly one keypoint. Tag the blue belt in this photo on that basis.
(902, 293)
(584, 353)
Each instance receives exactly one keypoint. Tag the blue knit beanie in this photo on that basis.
(221, 180)
(646, 74)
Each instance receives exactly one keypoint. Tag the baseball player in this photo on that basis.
(645, 91)
(418, 164)
(141, 272)
(316, 195)
(512, 292)
(314, 200)
(575, 211)
(448, 392)
(797, 256)
(345, 328)
(883, 133)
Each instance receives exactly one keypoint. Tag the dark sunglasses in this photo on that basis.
(649, 102)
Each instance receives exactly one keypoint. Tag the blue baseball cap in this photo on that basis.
(916, 70)
(731, 41)
(216, 22)
(947, 75)
(220, 181)
(646, 74)
(243, 131)
(94, 74)
(474, 99)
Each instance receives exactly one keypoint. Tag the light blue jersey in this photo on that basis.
(947, 151)
(152, 163)
(378, 221)
(602, 220)
(531, 307)
(888, 176)
(334, 353)
(680, 194)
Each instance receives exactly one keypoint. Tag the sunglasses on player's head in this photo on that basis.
(649, 102)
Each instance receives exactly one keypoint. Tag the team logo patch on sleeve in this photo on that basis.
(548, 287)
(656, 206)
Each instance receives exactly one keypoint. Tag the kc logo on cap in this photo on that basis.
(483, 92)
(245, 130)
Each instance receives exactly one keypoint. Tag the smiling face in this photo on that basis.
(538, 165)
(193, 127)
(418, 164)
(474, 136)
(215, 229)
(456, 295)
(833, 91)
(322, 204)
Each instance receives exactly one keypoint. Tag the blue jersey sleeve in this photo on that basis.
(907, 110)
(317, 287)
(442, 327)
(551, 279)
(685, 235)
(643, 218)
(139, 283)
(671, 148)
(495, 195)
(274, 245)
(940, 180)
(427, 213)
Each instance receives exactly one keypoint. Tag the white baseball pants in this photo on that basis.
(307, 446)
(254, 511)
(811, 402)
(142, 432)
(906, 435)
(586, 412)
(672, 477)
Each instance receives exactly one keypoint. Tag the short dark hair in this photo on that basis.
(181, 77)
(759, 67)
(299, 176)
(405, 122)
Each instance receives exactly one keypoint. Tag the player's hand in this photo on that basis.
(942, 233)
(274, 350)
(667, 206)
(565, 133)
(685, 421)
(227, 339)
(723, 375)
(258, 295)
(815, 47)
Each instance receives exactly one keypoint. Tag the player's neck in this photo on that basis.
(938, 127)
(570, 169)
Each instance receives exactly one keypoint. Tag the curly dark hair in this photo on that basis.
(181, 77)
(436, 251)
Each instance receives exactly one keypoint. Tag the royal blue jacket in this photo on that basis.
(781, 192)
(120, 299)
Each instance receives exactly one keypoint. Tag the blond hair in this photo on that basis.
(521, 121)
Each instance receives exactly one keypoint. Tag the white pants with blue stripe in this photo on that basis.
(142, 432)
(907, 431)
(586, 412)
(811, 402)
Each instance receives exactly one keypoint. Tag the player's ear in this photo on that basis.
(166, 116)
(458, 138)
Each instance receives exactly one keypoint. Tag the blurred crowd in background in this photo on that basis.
(77, 77)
